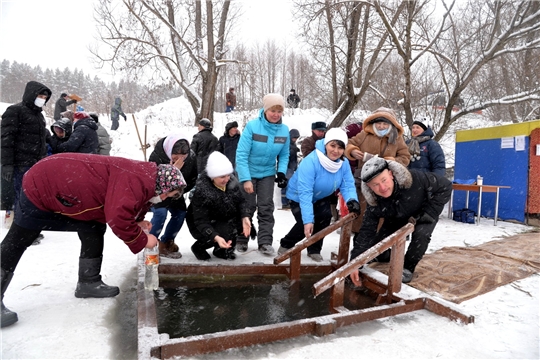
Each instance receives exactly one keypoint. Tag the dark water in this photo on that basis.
(187, 309)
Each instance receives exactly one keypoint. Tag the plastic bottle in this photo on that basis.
(151, 260)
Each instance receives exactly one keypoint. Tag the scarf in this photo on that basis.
(414, 146)
(329, 165)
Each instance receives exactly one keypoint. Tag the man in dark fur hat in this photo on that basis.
(397, 195)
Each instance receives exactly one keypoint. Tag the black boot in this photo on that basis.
(90, 284)
(200, 252)
(8, 317)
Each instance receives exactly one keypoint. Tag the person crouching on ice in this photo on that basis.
(218, 211)
(85, 193)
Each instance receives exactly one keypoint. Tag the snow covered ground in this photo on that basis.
(53, 324)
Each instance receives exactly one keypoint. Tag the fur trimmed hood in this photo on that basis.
(402, 179)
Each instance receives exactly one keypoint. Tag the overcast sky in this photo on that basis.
(57, 33)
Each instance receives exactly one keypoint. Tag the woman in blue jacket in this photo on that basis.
(426, 154)
(320, 174)
(263, 140)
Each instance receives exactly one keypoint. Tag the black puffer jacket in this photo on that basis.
(227, 146)
(211, 205)
(188, 170)
(415, 193)
(23, 129)
(84, 138)
(204, 143)
(54, 141)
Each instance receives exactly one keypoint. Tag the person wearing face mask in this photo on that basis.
(24, 134)
(84, 193)
(168, 150)
(381, 135)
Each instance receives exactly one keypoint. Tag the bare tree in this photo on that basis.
(412, 36)
(482, 34)
(349, 46)
(181, 41)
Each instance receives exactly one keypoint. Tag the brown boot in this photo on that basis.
(169, 249)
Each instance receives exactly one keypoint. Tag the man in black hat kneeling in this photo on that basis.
(397, 195)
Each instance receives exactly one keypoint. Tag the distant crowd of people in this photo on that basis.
(63, 180)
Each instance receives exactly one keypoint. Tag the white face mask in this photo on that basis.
(39, 102)
(155, 200)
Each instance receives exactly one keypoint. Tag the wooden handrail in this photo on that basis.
(296, 249)
(344, 271)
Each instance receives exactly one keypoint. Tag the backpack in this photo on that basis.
(464, 215)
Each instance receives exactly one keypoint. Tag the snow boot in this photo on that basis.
(8, 317)
(200, 252)
(90, 284)
(169, 249)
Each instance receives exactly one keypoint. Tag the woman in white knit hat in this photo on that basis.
(319, 175)
(263, 140)
(217, 213)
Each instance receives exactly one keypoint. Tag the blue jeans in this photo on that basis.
(173, 227)
(229, 109)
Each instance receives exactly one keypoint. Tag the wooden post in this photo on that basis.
(143, 147)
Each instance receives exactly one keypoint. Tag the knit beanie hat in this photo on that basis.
(294, 133)
(229, 126)
(372, 168)
(218, 165)
(421, 124)
(270, 100)
(169, 178)
(335, 134)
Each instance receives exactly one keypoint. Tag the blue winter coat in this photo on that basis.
(260, 144)
(312, 182)
(431, 155)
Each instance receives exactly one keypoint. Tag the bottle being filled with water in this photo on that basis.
(151, 261)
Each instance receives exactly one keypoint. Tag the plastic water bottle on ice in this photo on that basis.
(151, 260)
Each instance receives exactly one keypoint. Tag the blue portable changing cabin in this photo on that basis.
(500, 155)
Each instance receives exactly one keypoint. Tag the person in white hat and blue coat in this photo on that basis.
(319, 175)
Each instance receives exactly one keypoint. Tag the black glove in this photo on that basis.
(424, 218)
(353, 206)
(281, 180)
(7, 172)
(74, 101)
(125, 118)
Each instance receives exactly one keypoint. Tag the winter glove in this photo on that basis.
(424, 218)
(353, 206)
(125, 118)
(7, 172)
(281, 180)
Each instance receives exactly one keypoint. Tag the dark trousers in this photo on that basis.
(262, 201)
(28, 223)
(420, 239)
(322, 218)
(225, 229)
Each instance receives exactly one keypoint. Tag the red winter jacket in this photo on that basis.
(86, 187)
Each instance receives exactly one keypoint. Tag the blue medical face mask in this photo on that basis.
(382, 132)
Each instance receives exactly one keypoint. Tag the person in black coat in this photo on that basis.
(229, 142)
(218, 211)
(204, 143)
(61, 131)
(169, 150)
(116, 111)
(426, 154)
(398, 196)
(61, 105)
(84, 138)
(293, 99)
(24, 134)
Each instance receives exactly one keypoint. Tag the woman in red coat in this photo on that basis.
(84, 193)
